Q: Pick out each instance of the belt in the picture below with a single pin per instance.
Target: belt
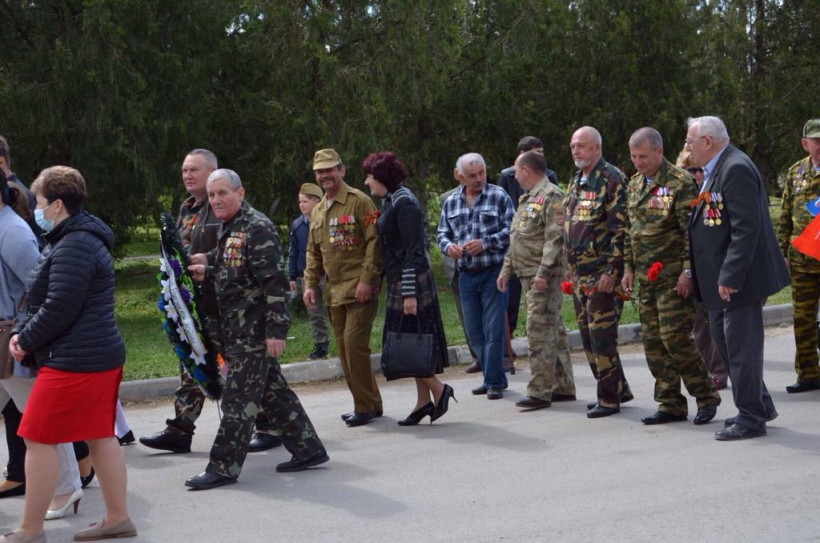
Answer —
(476, 271)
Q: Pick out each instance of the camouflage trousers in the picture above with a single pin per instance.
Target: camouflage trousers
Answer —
(666, 327)
(550, 361)
(805, 295)
(256, 387)
(598, 326)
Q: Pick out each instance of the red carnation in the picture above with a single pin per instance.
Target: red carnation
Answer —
(566, 287)
(654, 271)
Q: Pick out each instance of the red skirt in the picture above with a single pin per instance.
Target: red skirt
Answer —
(68, 406)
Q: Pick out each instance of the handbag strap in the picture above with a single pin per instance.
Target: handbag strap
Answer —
(418, 322)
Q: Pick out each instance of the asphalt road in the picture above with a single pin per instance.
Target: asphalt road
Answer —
(487, 472)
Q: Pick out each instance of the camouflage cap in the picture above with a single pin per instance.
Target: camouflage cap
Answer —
(326, 158)
(812, 129)
(312, 189)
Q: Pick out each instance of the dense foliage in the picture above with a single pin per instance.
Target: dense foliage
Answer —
(121, 89)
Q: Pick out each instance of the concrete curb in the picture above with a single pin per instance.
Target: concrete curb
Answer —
(325, 370)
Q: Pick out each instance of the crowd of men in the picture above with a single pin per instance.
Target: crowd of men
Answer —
(657, 236)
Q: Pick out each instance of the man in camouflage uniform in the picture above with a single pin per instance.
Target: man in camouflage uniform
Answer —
(246, 268)
(343, 245)
(198, 228)
(803, 187)
(657, 230)
(536, 257)
(595, 208)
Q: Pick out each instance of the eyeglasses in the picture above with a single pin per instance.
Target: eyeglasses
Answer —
(693, 171)
(689, 142)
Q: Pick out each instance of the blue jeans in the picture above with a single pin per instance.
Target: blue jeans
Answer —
(484, 306)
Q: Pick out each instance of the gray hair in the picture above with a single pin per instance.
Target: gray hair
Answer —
(469, 159)
(233, 178)
(709, 126)
(596, 136)
(644, 135)
(209, 157)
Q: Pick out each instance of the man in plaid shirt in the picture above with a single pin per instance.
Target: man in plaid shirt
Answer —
(474, 229)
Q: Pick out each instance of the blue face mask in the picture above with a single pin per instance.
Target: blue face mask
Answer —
(47, 225)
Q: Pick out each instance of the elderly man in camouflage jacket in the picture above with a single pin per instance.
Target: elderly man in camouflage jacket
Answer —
(657, 232)
(594, 245)
(250, 283)
(536, 256)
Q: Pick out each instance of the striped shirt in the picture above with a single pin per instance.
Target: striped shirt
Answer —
(488, 221)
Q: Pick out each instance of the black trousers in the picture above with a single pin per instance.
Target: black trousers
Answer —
(17, 447)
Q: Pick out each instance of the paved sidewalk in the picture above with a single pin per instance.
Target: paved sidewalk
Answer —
(487, 472)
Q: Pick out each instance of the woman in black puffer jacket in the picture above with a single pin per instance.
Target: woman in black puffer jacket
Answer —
(71, 336)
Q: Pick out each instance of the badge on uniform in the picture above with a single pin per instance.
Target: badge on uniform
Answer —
(813, 207)
(712, 215)
(232, 254)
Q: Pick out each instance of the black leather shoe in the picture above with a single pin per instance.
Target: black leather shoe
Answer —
(494, 394)
(169, 439)
(263, 442)
(300, 465)
(416, 416)
(360, 419)
(475, 367)
(564, 398)
(662, 417)
(478, 391)
(127, 439)
(379, 413)
(600, 411)
(19, 490)
(805, 386)
(705, 414)
(205, 481)
(319, 351)
(736, 432)
(769, 418)
(528, 403)
(628, 397)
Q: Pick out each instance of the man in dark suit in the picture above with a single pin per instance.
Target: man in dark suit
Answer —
(736, 265)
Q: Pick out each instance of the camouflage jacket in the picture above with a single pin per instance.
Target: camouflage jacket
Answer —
(343, 243)
(199, 229)
(657, 227)
(802, 186)
(248, 272)
(537, 235)
(594, 224)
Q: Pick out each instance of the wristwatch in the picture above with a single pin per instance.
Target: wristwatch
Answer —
(687, 274)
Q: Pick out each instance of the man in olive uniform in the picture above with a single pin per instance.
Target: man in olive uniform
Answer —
(247, 269)
(343, 245)
(536, 256)
(594, 244)
(803, 187)
(657, 231)
(198, 228)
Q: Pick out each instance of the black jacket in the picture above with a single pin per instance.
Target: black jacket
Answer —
(401, 235)
(71, 300)
(741, 252)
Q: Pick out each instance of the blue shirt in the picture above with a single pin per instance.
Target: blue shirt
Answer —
(710, 167)
(488, 221)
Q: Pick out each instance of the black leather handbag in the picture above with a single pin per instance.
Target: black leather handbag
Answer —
(407, 354)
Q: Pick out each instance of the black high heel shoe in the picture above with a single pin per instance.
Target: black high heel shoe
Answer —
(443, 403)
(416, 416)
(88, 478)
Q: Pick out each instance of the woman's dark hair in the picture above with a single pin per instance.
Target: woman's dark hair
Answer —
(17, 200)
(61, 183)
(386, 168)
